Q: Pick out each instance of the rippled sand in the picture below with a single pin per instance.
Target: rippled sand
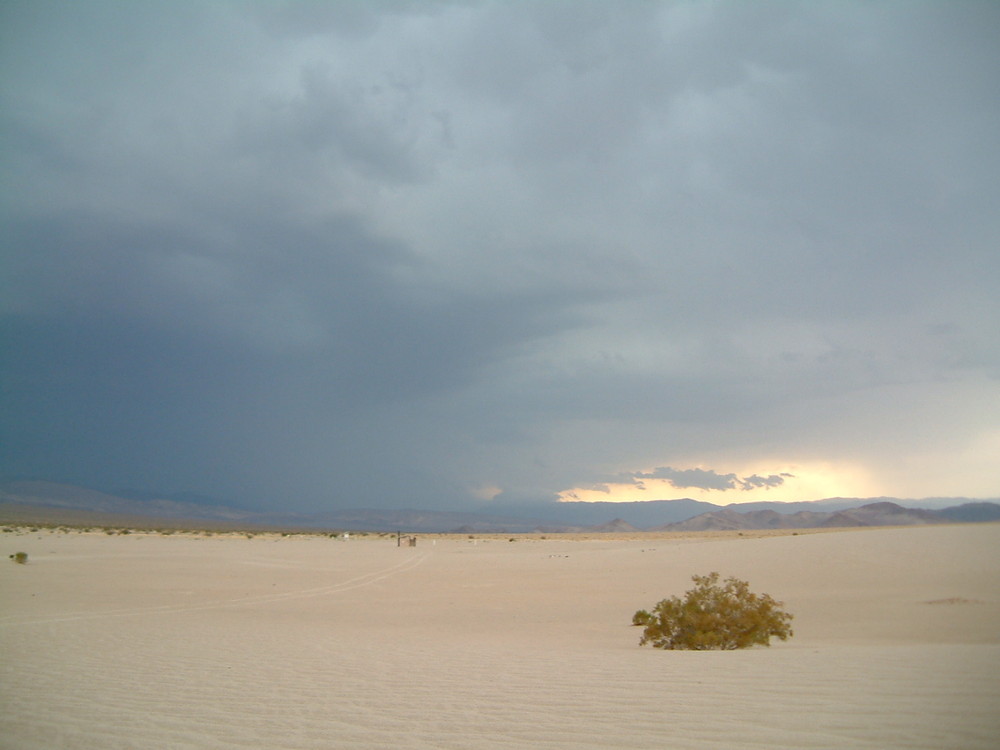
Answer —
(146, 641)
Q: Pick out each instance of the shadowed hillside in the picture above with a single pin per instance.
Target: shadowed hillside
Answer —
(50, 502)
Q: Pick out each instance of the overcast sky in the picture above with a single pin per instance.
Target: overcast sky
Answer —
(309, 255)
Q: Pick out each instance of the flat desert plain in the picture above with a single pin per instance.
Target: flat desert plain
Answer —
(193, 641)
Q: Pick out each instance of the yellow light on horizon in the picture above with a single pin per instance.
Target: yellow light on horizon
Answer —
(812, 481)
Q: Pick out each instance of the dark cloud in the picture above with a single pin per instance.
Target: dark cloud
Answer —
(771, 480)
(388, 253)
(708, 479)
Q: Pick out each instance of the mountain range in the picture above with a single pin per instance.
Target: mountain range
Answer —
(50, 502)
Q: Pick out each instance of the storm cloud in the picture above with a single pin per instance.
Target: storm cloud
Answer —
(709, 479)
(310, 255)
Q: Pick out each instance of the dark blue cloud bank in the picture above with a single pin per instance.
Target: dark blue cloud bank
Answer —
(311, 255)
(710, 479)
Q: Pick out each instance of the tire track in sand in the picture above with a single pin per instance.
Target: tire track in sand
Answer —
(353, 583)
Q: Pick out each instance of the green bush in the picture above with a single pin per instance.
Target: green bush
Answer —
(642, 617)
(714, 616)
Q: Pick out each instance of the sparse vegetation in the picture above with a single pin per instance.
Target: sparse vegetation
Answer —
(642, 617)
(714, 616)
(196, 531)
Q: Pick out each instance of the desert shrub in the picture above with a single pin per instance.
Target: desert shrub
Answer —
(642, 617)
(715, 616)
(20, 557)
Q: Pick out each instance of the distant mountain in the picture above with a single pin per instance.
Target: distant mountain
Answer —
(410, 520)
(71, 497)
(973, 512)
(730, 519)
(882, 513)
(193, 498)
(52, 502)
(829, 504)
(639, 514)
(552, 517)
(617, 526)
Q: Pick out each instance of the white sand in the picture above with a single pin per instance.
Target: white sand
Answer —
(145, 641)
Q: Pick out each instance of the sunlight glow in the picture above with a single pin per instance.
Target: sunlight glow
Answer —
(800, 481)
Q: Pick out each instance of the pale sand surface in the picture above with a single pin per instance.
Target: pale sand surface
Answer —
(146, 641)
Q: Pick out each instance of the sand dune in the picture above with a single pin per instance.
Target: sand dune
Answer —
(145, 641)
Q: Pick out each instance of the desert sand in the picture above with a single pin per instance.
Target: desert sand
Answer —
(185, 641)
